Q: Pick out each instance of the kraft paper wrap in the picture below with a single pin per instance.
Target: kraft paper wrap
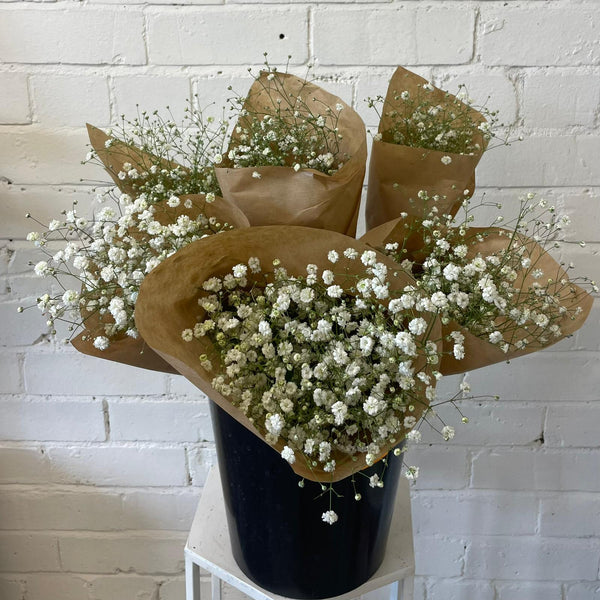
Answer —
(415, 169)
(308, 197)
(124, 349)
(480, 352)
(168, 304)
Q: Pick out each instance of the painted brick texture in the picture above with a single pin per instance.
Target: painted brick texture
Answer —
(102, 465)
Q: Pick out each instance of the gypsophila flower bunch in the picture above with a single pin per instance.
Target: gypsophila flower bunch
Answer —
(167, 159)
(331, 363)
(109, 257)
(285, 127)
(420, 120)
(507, 296)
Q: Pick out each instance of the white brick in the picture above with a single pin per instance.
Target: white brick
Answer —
(391, 36)
(582, 591)
(20, 329)
(112, 552)
(459, 589)
(10, 374)
(212, 93)
(79, 35)
(181, 387)
(588, 337)
(23, 465)
(530, 36)
(127, 466)
(21, 552)
(72, 100)
(571, 515)
(51, 420)
(373, 83)
(11, 589)
(439, 556)
(573, 425)
(14, 98)
(204, 37)
(173, 589)
(201, 459)
(531, 558)
(529, 590)
(160, 421)
(444, 35)
(542, 161)
(537, 470)
(440, 468)
(540, 376)
(170, 509)
(489, 423)
(583, 208)
(63, 585)
(557, 100)
(491, 89)
(584, 258)
(87, 375)
(151, 93)
(46, 156)
(61, 510)
(473, 513)
(123, 587)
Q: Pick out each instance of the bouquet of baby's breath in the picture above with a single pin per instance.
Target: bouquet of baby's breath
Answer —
(428, 139)
(496, 289)
(161, 206)
(157, 158)
(296, 156)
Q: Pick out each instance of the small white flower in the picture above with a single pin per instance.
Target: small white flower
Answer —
(256, 175)
(447, 432)
(333, 256)
(101, 342)
(288, 454)
(411, 473)
(330, 517)
(414, 436)
(446, 160)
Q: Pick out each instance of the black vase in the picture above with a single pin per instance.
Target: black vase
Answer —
(277, 535)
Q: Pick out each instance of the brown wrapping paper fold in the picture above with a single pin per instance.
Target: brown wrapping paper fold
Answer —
(167, 305)
(480, 352)
(308, 198)
(136, 352)
(118, 153)
(397, 173)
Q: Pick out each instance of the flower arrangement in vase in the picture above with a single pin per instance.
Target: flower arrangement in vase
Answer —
(233, 261)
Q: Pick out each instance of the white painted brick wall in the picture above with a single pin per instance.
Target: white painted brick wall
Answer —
(101, 465)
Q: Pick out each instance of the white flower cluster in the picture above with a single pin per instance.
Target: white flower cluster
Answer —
(419, 121)
(328, 368)
(485, 293)
(292, 133)
(110, 257)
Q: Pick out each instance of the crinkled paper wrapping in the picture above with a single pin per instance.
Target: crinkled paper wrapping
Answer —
(308, 197)
(168, 304)
(397, 173)
(124, 349)
(480, 352)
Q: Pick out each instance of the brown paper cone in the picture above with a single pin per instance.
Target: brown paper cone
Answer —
(397, 173)
(308, 198)
(168, 304)
(480, 352)
(136, 352)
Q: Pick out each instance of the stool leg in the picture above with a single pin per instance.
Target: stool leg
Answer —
(192, 580)
(215, 584)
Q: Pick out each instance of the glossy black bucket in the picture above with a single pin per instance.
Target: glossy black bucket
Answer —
(278, 538)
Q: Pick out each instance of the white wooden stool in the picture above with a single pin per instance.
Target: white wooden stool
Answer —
(208, 547)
